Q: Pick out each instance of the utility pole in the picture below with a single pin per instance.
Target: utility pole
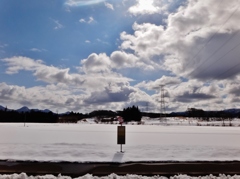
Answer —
(162, 103)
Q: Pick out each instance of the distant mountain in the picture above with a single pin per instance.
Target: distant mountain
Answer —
(2, 108)
(65, 113)
(26, 109)
(23, 109)
(46, 110)
(39, 110)
(233, 111)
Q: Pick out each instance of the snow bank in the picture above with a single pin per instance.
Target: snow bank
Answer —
(114, 176)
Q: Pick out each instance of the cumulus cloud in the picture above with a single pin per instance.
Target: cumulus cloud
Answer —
(179, 95)
(53, 97)
(150, 7)
(197, 41)
(53, 75)
(144, 7)
(198, 46)
(96, 63)
(189, 98)
(65, 90)
(109, 90)
(120, 94)
(145, 43)
(155, 85)
(49, 74)
(233, 89)
(120, 59)
(61, 97)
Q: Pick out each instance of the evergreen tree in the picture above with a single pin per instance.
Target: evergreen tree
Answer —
(131, 114)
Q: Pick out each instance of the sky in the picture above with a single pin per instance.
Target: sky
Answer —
(85, 55)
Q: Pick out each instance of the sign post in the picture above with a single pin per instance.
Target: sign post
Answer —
(121, 134)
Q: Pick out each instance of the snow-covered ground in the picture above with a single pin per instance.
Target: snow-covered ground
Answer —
(184, 121)
(114, 176)
(174, 121)
(85, 142)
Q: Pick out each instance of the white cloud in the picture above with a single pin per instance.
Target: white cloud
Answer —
(120, 59)
(82, 20)
(155, 85)
(89, 21)
(58, 25)
(104, 89)
(53, 97)
(109, 6)
(198, 43)
(65, 90)
(145, 7)
(118, 94)
(96, 64)
(96, 74)
(145, 41)
(37, 50)
(87, 41)
(184, 44)
(97, 88)
(76, 3)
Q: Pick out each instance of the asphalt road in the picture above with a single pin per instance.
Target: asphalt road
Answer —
(103, 169)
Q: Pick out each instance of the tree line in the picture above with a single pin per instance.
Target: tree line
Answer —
(31, 116)
(128, 114)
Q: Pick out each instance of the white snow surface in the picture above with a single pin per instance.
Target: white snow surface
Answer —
(114, 176)
(98, 143)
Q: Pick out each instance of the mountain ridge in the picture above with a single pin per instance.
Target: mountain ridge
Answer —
(25, 109)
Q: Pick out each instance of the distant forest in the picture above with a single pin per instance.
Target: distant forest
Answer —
(129, 114)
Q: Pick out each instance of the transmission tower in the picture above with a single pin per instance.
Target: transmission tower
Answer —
(147, 107)
(162, 103)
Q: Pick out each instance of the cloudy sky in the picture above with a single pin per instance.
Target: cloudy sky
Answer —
(85, 55)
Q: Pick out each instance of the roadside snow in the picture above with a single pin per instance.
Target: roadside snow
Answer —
(98, 143)
(114, 176)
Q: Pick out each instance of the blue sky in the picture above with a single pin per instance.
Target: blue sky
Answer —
(84, 55)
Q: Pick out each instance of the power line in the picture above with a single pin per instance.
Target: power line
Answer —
(220, 58)
(214, 53)
(215, 33)
(231, 68)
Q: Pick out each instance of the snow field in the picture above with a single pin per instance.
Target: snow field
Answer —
(98, 143)
(114, 176)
